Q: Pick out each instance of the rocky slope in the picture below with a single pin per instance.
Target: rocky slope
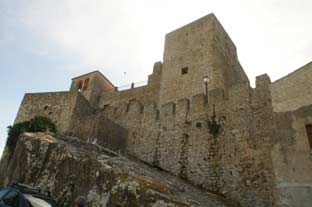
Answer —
(68, 167)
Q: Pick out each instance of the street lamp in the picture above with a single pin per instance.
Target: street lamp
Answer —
(206, 81)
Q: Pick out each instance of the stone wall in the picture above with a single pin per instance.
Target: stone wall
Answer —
(74, 115)
(211, 145)
(143, 93)
(292, 159)
(236, 145)
(97, 129)
(146, 94)
(58, 106)
(293, 91)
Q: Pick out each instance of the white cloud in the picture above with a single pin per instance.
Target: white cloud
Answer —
(128, 35)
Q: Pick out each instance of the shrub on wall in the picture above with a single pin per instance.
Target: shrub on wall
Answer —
(41, 124)
(36, 124)
(14, 132)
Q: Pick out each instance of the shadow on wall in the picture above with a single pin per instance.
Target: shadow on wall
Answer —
(97, 129)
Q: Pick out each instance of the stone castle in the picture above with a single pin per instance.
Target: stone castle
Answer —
(252, 145)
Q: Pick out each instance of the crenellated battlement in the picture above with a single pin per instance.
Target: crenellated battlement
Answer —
(172, 110)
(184, 109)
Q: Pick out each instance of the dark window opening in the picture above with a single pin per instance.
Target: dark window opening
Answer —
(98, 100)
(309, 132)
(198, 125)
(79, 85)
(157, 114)
(46, 108)
(85, 84)
(129, 103)
(185, 138)
(173, 109)
(106, 106)
(184, 70)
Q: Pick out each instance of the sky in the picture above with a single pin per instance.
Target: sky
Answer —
(44, 43)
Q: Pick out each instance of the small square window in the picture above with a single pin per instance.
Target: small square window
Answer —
(309, 133)
(184, 70)
(198, 125)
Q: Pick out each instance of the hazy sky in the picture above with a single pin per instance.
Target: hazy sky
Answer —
(44, 43)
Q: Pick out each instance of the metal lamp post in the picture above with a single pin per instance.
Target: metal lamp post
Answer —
(206, 81)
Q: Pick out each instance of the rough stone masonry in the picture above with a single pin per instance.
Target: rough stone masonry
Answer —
(250, 145)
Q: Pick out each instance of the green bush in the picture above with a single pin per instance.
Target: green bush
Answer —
(14, 132)
(41, 124)
(36, 124)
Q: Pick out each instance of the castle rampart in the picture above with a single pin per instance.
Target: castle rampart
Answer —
(230, 141)
(59, 106)
(184, 132)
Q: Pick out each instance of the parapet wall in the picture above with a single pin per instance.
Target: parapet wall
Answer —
(73, 115)
(58, 106)
(293, 91)
(146, 94)
(143, 93)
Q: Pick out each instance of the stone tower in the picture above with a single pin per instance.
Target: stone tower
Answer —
(201, 48)
(91, 86)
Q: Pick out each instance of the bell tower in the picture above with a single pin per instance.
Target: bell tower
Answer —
(92, 86)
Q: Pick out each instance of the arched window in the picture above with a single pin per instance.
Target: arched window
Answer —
(79, 85)
(85, 84)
